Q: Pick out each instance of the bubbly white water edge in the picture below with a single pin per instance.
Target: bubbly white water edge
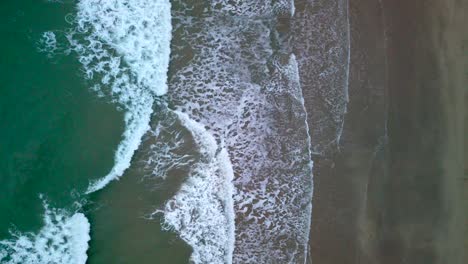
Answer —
(202, 212)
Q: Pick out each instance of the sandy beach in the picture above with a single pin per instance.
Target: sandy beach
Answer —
(395, 189)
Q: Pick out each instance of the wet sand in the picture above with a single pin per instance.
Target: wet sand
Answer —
(395, 190)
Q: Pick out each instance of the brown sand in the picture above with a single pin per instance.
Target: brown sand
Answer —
(341, 182)
(396, 192)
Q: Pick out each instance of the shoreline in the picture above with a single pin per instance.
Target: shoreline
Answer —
(392, 192)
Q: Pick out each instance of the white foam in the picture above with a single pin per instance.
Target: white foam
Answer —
(226, 193)
(48, 43)
(166, 147)
(275, 183)
(265, 8)
(126, 46)
(138, 30)
(63, 239)
(204, 139)
(202, 210)
(252, 101)
(293, 8)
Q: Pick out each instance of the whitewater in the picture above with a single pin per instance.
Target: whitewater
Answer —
(236, 88)
(240, 80)
(126, 44)
(202, 211)
(63, 239)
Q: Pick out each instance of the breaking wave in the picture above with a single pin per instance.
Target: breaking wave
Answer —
(202, 211)
(63, 239)
(125, 46)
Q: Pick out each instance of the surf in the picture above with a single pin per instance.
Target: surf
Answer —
(63, 239)
(124, 46)
(251, 101)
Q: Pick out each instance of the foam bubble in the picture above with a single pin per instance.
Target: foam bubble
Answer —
(125, 45)
(63, 239)
(202, 210)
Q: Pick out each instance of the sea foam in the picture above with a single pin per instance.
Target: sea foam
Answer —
(48, 43)
(125, 45)
(242, 83)
(202, 211)
(63, 239)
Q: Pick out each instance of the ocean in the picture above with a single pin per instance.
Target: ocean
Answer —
(157, 131)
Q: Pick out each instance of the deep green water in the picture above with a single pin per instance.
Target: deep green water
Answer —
(55, 134)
